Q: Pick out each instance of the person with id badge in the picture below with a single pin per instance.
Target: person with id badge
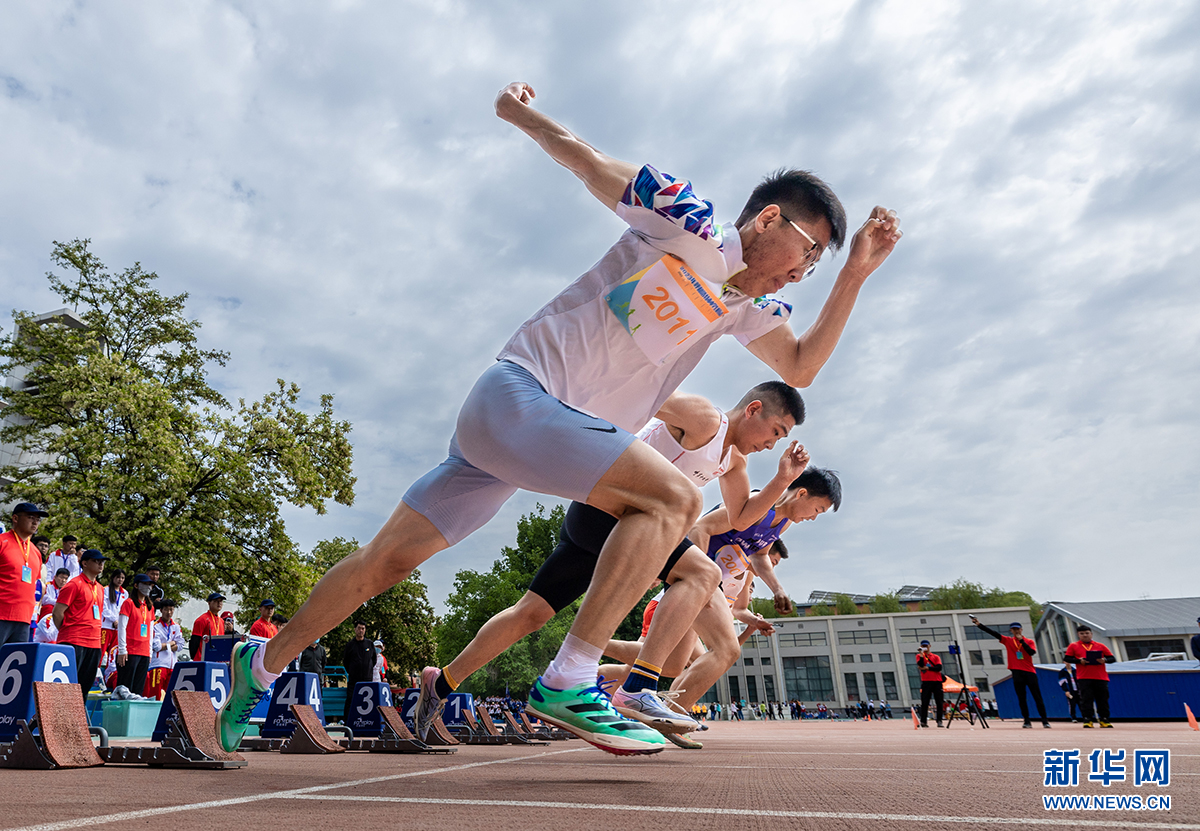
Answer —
(1020, 660)
(77, 616)
(557, 412)
(134, 626)
(20, 570)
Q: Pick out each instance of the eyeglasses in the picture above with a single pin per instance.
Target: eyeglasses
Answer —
(812, 266)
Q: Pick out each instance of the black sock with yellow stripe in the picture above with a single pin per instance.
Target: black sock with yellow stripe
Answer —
(643, 676)
(444, 685)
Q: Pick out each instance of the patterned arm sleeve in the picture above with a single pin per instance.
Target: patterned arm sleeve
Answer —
(668, 215)
(674, 200)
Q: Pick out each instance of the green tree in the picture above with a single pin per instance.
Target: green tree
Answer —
(136, 453)
(820, 610)
(764, 606)
(401, 617)
(886, 602)
(963, 594)
(478, 596)
(844, 605)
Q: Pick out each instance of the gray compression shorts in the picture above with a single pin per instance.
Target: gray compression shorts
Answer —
(512, 435)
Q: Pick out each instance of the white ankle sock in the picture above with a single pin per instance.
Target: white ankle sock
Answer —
(575, 665)
(259, 672)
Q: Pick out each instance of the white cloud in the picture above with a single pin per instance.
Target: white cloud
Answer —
(1014, 400)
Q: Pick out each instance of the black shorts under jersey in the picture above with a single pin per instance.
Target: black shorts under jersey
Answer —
(567, 572)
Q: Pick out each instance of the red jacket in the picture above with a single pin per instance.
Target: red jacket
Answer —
(931, 666)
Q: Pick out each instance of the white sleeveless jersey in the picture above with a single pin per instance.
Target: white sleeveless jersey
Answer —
(701, 465)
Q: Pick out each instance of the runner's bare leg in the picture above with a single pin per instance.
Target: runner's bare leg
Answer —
(406, 540)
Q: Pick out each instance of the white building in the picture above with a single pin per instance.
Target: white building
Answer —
(1132, 629)
(839, 659)
(12, 454)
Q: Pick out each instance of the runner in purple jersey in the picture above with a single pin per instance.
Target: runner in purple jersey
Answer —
(741, 555)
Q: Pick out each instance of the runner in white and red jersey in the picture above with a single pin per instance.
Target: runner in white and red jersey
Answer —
(704, 443)
(554, 414)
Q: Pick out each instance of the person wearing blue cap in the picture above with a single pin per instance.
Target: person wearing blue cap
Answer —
(210, 623)
(930, 664)
(263, 627)
(1020, 662)
(20, 569)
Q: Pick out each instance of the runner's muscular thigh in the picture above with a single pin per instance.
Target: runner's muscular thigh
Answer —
(643, 480)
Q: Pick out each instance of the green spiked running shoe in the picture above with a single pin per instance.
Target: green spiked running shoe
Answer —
(586, 711)
(244, 696)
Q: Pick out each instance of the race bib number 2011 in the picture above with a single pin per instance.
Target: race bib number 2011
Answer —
(663, 305)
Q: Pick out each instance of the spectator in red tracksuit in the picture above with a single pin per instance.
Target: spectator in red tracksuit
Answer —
(20, 568)
(931, 683)
(77, 617)
(1020, 662)
(134, 628)
(1091, 674)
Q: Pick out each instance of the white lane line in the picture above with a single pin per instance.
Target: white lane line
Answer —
(1057, 822)
(295, 793)
(939, 755)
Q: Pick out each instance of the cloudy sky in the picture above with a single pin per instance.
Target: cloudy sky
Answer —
(1014, 400)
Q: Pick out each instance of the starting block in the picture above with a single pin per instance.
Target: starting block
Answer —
(191, 740)
(397, 738)
(545, 732)
(513, 729)
(206, 676)
(480, 729)
(21, 666)
(62, 740)
(308, 734)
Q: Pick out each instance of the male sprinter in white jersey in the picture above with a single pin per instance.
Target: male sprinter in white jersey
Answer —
(705, 444)
(555, 413)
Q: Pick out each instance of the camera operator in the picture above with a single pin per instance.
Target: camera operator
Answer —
(931, 683)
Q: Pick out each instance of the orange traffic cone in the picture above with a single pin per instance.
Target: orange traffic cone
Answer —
(1191, 718)
(916, 721)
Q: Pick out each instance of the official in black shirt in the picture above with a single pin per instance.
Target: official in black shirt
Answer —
(359, 660)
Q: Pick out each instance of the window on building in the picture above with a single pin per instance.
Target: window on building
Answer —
(865, 636)
(735, 688)
(851, 687)
(976, 657)
(1142, 649)
(974, 633)
(752, 689)
(982, 684)
(866, 659)
(766, 662)
(847, 659)
(890, 692)
(808, 678)
(769, 688)
(885, 657)
(996, 656)
(758, 642)
(871, 685)
(925, 633)
(803, 639)
(748, 661)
